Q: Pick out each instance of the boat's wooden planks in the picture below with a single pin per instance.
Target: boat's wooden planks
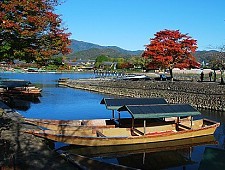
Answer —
(123, 136)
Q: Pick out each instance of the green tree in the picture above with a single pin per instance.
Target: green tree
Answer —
(100, 59)
(119, 61)
(138, 62)
(58, 60)
(31, 31)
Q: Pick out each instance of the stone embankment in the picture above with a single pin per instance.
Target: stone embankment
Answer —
(205, 95)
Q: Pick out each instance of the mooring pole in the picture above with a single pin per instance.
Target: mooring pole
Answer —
(113, 115)
(144, 127)
(191, 121)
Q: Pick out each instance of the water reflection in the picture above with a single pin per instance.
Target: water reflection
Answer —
(219, 117)
(164, 155)
(21, 104)
(156, 160)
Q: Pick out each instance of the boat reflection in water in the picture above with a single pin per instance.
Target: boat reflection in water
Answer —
(163, 155)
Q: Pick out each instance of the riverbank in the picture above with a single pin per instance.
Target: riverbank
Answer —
(204, 95)
(19, 150)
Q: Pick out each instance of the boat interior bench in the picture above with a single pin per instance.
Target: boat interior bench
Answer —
(113, 132)
(186, 125)
(153, 129)
(183, 127)
(136, 132)
(99, 134)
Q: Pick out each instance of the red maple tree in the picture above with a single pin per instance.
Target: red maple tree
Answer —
(31, 31)
(170, 49)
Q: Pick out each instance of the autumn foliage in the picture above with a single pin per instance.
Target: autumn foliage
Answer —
(170, 49)
(31, 31)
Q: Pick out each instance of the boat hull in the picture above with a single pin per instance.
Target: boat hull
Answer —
(116, 136)
(93, 151)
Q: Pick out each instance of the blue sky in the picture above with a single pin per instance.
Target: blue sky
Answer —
(130, 24)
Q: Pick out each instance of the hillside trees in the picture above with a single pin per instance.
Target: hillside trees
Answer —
(170, 49)
(107, 62)
(31, 31)
(100, 59)
(138, 62)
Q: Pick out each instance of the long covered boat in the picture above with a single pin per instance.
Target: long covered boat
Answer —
(154, 127)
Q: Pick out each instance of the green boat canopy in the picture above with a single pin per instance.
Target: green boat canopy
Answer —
(159, 111)
(115, 104)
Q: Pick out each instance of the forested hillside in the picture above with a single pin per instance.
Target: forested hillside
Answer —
(85, 50)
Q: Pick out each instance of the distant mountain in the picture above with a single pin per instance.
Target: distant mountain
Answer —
(205, 56)
(85, 50)
(77, 46)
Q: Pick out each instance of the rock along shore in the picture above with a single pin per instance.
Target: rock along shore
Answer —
(21, 151)
(205, 95)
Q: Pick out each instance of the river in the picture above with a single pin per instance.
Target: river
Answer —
(66, 103)
(59, 102)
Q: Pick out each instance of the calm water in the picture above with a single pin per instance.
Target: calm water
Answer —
(65, 103)
(59, 102)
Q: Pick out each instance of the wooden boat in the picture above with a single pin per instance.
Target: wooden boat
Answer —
(25, 91)
(12, 83)
(155, 131)
(73, 125)
(19, 88)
